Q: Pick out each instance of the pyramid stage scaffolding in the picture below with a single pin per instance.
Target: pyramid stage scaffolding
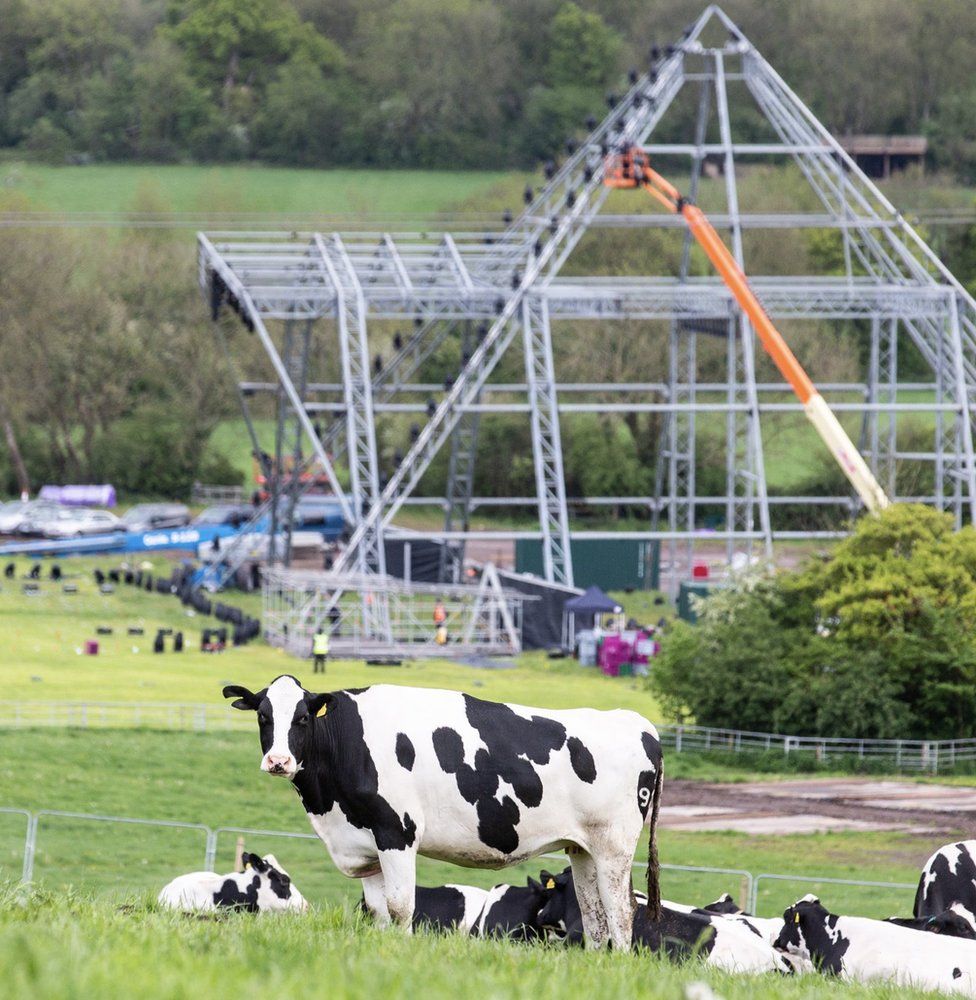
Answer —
(486, 294)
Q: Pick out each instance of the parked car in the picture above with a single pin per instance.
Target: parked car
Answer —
(15, 512)
(234, 514)
(75, 522)
(23, 514)
(149, 516)
(317, 513)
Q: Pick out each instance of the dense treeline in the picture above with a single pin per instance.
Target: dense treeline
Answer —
(875, 641)
(456, 83)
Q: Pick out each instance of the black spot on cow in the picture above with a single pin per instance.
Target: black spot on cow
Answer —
(582, 760)
(515, 914)
(513, 746)
(440, 908)
(943, 882)
(405, 752)
(347, 776)
(230, 896)
(957, 973)
(652, 747)
(337, 766)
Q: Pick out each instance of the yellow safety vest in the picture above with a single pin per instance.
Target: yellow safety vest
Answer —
(320, 644)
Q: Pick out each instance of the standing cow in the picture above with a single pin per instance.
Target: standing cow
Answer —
(948, 877)
(386, 773)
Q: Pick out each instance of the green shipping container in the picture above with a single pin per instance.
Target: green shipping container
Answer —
(612, 565)
(688, 590)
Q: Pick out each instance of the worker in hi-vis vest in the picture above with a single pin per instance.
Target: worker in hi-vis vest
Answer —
(320, 650)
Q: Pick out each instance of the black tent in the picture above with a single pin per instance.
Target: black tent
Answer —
(592, 601)
(580, 612)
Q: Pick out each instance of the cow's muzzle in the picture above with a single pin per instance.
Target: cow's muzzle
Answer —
(282, 766)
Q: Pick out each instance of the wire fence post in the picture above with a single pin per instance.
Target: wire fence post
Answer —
(30, 848)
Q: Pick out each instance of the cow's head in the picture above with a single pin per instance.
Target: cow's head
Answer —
(560, 915)
(283, 895)
(810, 931)
(286, 719)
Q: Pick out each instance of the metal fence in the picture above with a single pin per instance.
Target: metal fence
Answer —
(204, 494)
(749, 884)
(928, 756)
(902, 755)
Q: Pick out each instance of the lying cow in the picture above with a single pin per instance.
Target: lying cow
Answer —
(768, 928)
(957, 921)
(948, 877)
(446, 907)
(513, 911)
(386, 773)
(859, 949)
(682, 931)
(263, 886)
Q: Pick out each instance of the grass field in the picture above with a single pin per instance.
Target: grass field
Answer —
(43, 635)
(155, 955)
(84, 871)
(214, 779)
(117, 188)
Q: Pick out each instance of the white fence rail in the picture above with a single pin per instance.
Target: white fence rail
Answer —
(929, 756)
(749, 884)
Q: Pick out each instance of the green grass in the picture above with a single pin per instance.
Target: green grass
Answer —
(245, 189)
(141, 952)
(69, 937)
(214, 779)
(42, 635)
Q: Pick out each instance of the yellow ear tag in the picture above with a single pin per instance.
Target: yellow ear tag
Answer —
(796, 918)
(551, 884)
(321, 711)
(247, 867)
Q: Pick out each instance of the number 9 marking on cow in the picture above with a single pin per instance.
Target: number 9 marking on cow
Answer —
(644, 794)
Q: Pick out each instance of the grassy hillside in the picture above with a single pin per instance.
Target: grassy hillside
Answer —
(242, 190)
(44, 633)
(213, 778)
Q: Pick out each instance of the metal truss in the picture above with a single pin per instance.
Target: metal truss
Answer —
(511, 281)
(550, 482)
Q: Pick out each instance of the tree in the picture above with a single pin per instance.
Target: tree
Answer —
(879, 640)
(234, 46)
(583, 51)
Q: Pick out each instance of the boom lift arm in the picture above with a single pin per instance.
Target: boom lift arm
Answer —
(632, 169)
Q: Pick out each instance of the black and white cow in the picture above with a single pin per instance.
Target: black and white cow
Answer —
(957, 921)
(446, 907)
(512, 911)
(263, 886)
(682, 931)
(386, 773)
(948, 877)
(768, 928)
(859, 949)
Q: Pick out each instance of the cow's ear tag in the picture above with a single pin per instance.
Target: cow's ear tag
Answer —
(247, 867)
(551, 884)
(796, 918)
(321, 711)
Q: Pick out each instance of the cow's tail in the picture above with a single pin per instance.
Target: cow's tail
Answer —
(653, 865)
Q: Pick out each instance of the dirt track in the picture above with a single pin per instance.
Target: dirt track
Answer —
(815, 804)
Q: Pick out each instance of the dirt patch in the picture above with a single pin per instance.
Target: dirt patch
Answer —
(820, 804)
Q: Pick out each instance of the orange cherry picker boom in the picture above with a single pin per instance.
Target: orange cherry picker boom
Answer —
(632, 169)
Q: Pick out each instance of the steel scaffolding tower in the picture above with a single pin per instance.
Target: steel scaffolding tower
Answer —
(512, 282)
